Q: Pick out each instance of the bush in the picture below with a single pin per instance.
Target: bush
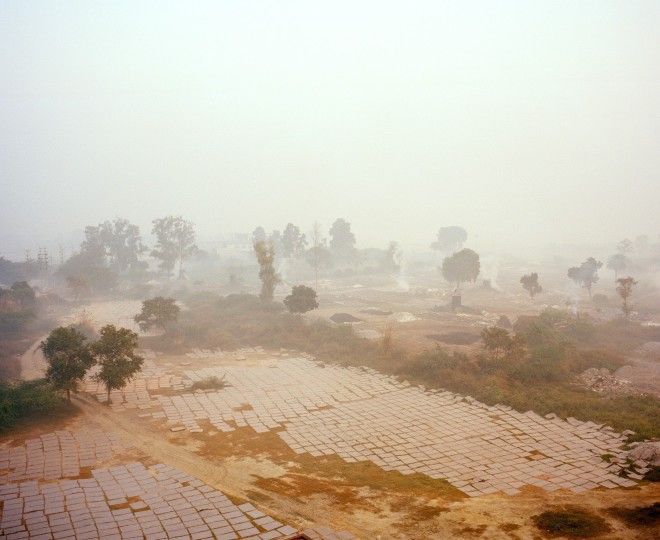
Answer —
(210, 383)
(571, 521)
(641, 516)
(21, 400)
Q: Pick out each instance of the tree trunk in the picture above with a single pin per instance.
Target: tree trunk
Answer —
(108, 388)
(68, 395)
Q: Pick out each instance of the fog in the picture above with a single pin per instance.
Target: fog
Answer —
(529, 124)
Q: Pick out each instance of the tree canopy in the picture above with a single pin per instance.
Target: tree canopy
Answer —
(450, 239)
(624, 288)
(175, 241)
(342, 240)
(265, 254)
(617, 263)
(586, 274)
(68, 356)
(530, 283)
(301, 300)
(258, 235)
(116, 356)
(293, 242)
(462, 266)
(158, 312)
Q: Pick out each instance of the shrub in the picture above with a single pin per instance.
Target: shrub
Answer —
(571, 521)
(26, 398)
(641, 516)
(210, 383)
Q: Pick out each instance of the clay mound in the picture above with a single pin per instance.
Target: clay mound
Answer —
(455, 338)
(375, 311)
(341, 318)
(402, 317)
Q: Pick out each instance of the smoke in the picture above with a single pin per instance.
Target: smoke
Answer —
(490, 270)
(401, 277)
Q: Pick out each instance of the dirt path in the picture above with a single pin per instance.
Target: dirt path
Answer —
(33, 363)
(301, 496)
(151, 441)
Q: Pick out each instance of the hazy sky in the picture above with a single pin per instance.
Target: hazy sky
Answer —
(522, 121)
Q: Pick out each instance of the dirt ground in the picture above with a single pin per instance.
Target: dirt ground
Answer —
(359, 497)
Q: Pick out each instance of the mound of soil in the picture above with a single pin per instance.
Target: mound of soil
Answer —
(402, 317)
(455, 338)
(375, 311)
(341, 318)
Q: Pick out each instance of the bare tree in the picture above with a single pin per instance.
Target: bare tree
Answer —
(624, 288)
(269, 277)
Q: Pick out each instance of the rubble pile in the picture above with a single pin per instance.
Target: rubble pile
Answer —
(603, 381)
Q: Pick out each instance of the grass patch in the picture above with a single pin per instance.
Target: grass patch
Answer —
(557, 349)
(571, 521)
(27, 399)
(641, 516)
(210, 383)
(653, 475)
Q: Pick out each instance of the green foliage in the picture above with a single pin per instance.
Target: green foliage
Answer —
(24, 399)
(450, 239)
(530, 283)
(301, 300)
(571, 521)
(159, 311)
(115, 353)
(541, 380)
(462, 266)
(624, 287)
(342, 240)
(293, 242)
(13, 321)
(617, 263)
(641, 516)
(91, 269)
(586, 274)
(269, 278)
(175, 241)
(68, 356)
(500, 344)
(23, 294)
(210, 383)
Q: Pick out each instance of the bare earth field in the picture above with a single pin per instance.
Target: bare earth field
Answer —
(290, 443)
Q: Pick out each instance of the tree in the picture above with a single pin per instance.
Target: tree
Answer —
(392, 259)
(617, 263)
(342, 240)
(530, 283)
(122, 242)
(314, 254)
(68, 356)
(293, 243)
(641, 244)
(624, 288)
(462, 266)
(586, 274)
(158, 311)
(115, 354)
(450, 239)
(258, 235)
(625, 246)
(301, 300)
(269, 277)
(500, 344)
(175, 241)
(23, 294)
